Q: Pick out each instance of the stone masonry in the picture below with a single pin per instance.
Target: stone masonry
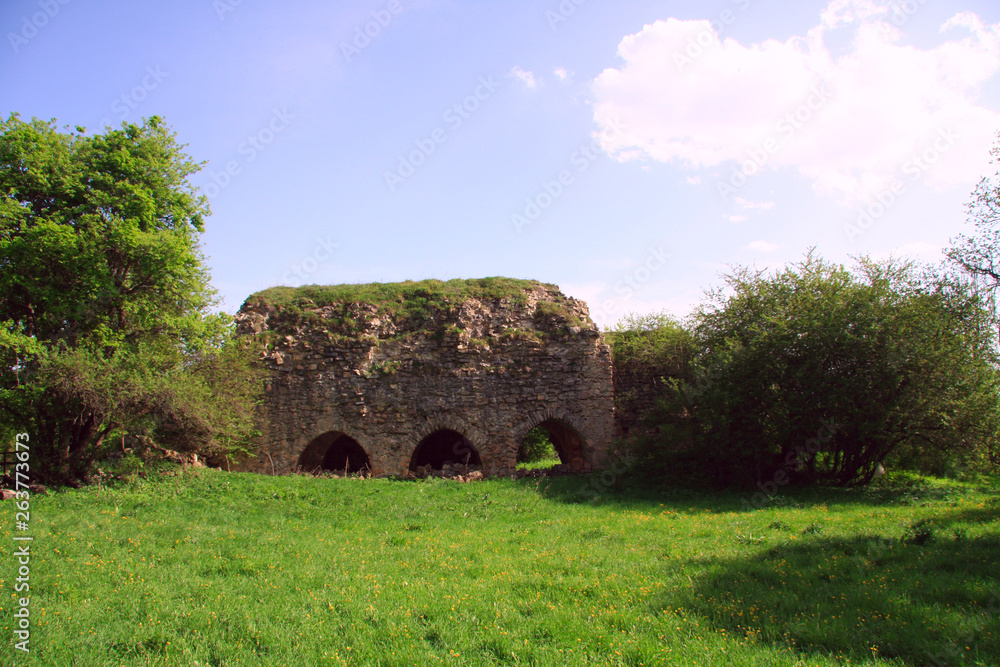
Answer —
(464, 385)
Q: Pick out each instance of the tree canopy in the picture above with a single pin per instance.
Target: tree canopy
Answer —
(979, 254)
(818, 373)
(105, 302)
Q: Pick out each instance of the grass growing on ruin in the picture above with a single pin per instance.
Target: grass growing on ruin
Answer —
(210, 568)
(410, 305)
(409, 298)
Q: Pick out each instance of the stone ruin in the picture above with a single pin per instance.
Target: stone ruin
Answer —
(453, 384)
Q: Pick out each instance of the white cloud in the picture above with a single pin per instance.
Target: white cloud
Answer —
(562, 73)
(525, 77)
(608, 306)
(851, 124)
(736, 218)
(750, 205)
(763, 246)
(693, 180)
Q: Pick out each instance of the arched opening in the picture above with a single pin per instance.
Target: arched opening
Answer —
(334, 451)
(550, 440)
(442, 448)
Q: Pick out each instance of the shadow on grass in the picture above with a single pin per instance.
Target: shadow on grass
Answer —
(936, 603)
(634, 492)
(627, 492)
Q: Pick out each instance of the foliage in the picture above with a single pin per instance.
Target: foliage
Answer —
(818, 374)
(106, 305)
(406, 300)
(518, 333)
(387, 367)
(556, 311)
(212, 568)
(979, 255)
(652, 354)
(656, 341)
(536, 446)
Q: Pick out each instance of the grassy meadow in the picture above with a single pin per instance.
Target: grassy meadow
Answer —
(211, 568)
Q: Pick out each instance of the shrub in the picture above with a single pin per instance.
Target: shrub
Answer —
(536, 446)
(819, 374)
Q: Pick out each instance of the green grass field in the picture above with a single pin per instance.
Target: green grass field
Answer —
(210, 568)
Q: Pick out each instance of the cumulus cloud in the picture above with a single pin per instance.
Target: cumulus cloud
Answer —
(851, 123)
(524, 76)
(562, 73)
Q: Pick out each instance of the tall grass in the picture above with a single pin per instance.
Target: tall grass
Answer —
(212, 568)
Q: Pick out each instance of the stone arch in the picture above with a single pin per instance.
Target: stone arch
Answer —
(443, 446)
(334, 451)
(569, 444)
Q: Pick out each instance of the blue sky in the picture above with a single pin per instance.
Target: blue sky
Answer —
(627, 151)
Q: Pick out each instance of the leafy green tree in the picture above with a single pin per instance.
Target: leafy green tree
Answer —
(979, 254)
(536, 446)
(817, 374)
(105, 302)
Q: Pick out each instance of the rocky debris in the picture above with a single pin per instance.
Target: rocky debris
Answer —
(462, 473)
(339, 474)
(457, 472)
(454, 472)
(184, 458)
(33, 489)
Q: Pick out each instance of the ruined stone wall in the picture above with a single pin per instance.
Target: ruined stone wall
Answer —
(489, 370)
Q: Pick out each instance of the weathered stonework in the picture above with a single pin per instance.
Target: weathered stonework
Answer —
(467, 381)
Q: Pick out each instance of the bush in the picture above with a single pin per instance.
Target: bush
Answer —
(536, 446)
(106, 311)
(652, 362)
(818, 374)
